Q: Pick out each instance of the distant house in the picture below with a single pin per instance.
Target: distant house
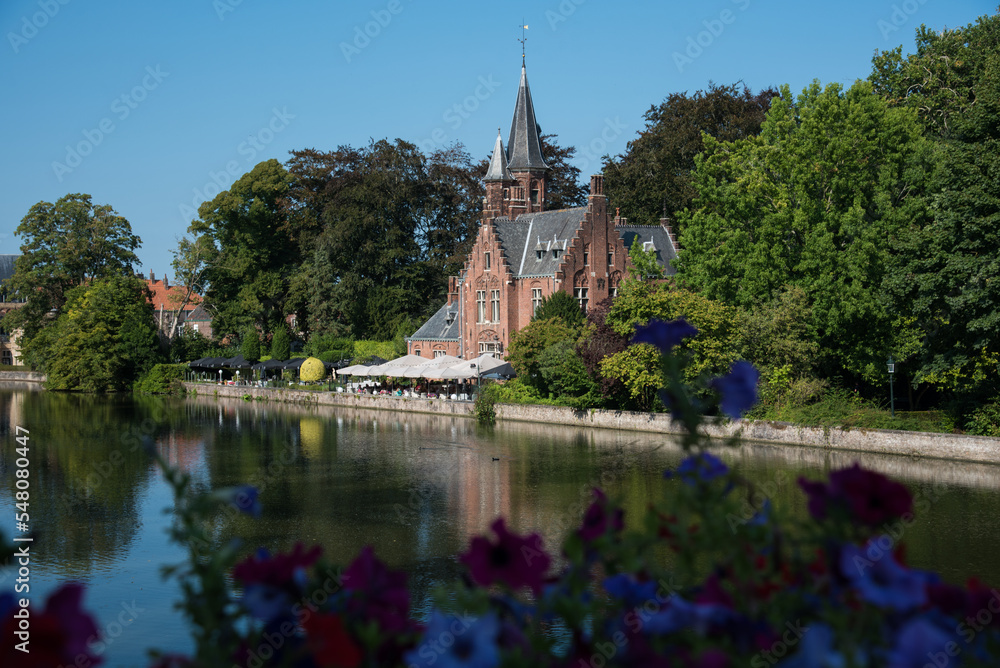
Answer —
(9, 350)
(166, 300)
(523, 253)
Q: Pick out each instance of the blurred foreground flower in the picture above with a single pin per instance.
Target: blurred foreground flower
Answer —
(61, 634)
(516, 561)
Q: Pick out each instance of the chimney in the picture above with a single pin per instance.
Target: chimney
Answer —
(597, 185)
(166, 283)
(152, 279)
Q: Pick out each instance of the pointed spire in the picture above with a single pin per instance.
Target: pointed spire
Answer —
(524, 146)
(498, 163)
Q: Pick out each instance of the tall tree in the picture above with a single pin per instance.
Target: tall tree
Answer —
(64, 245)
(946, 273)
(191, 262)
(104, 338)
(814, 201)
(563, 189)
(252, 256)
(653, 176)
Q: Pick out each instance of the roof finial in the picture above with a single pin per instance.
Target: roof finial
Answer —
(523, 39)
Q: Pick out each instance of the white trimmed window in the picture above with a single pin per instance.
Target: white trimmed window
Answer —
(439, 353)
(492, 348)
(581, 297)
(481, 305)
(495, 305)
(536, 299)
(486, 262)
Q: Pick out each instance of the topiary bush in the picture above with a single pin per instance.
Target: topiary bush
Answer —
(312, 370)
(162, 379)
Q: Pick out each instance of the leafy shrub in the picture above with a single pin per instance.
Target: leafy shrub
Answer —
(985, 421)
(162, 379)
(250, 345)
(483, 407)
(281, 343)
(384, 349)
(312, 370)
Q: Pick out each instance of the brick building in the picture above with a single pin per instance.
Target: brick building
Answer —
(166, 300)
(523, 253)
(9, 350)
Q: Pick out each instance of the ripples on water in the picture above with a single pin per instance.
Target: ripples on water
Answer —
(417, 487)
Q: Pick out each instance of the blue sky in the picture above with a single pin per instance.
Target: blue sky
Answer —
(153, 107)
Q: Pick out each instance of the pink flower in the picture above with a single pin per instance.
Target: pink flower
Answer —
(281, 570)
(516, 561)
(869, 497)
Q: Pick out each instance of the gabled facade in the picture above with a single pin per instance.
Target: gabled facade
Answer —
(523, 253)
(166, 298)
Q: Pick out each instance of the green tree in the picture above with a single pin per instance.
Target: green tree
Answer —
(252, 256)
(814, 201)
(281, 344)
(780, 333)
(644, 264)
(562, 372)
(63, 245)
(250, 344)
(190, 263)
(528, 344)
(945, 274)
(104, 338)
(653, 177)
(563, 189)
(560, 305)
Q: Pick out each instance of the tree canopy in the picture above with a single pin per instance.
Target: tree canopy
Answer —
(64, 245)
(653, 176)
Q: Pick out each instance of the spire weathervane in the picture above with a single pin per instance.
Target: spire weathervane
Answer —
(523, 38)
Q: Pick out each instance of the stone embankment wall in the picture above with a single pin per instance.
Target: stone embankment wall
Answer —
(22, 376)
(916, 444)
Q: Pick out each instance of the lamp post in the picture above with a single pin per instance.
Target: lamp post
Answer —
(892, 397)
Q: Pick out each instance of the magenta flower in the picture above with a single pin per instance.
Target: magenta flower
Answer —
(516, 561)
(271, 584)
(61, 634)
(599, 517)
(664, 334)
(869, 497)
(737, 390)
(379, 593)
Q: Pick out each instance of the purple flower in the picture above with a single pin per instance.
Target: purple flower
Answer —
(61, 634)
(514, 560)
(377, 592)
(869, 497)
(703, 466)
(664, 334)
(456, 641)
(737, 390)
(599, 517)
(880, 580)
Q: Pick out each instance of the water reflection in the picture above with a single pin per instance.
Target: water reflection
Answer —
(417, 487)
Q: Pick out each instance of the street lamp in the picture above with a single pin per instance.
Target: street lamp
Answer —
(892, 397)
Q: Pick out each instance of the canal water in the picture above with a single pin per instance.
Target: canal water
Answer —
(416, 487)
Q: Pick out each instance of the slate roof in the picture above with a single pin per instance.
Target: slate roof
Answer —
(442, 326)
(498, 163)
(199, 314)
(545, 231)
(660, 243)
(524, 148)
(7, 266)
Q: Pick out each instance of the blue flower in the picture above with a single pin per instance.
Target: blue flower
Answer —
(818, 648)
(879, 579)
(267, 603)
(703, 466)
(245, 499)
(457, 641)
(664, 334)
(737, 390)
(917, 641)
(679, 614)
(630, 590)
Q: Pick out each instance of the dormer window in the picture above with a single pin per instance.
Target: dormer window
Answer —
(486, 262)
(539, 253)
(555, 253)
